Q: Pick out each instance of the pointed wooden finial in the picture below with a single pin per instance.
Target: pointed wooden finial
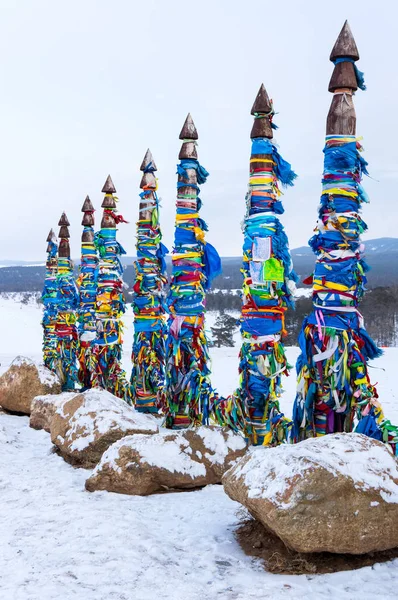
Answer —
(188, 131)
(109, 188)
(262, 103)
(148, 159)
(63, 220)
(51, 236)
(345, 45)
(261, 108)
(87, 205)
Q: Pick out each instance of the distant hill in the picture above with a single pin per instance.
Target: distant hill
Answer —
(381, 254)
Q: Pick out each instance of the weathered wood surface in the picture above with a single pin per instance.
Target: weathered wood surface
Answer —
(88, 220)
(345, 45)
(262, 103)
(188, 131)
(148, 159)
(148, 180)
(341, 119)
(109, 188)
(343, 76)
(87, 205)
(64, 249)
(63, 220)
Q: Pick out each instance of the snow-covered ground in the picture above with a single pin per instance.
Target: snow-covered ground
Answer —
(58, 541)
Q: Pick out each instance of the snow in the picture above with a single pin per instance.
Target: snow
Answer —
(156, 451)
(46, 376)
(215, 442)
(102, 412)
(269, 472)
(59, 541)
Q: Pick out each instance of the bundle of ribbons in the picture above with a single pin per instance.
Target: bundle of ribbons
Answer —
(49, 299)
(150, 324)
(268, 288)
(110, 302)
(87, 283)
(66, 305)
(195, 263)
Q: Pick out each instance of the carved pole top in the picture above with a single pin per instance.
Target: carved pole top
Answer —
(63, 220)
(262, 103)
(109, 188)
(188, 131)
(87, 205)
(262, 112)
(148, 159)
(345, 46)
(64, 249)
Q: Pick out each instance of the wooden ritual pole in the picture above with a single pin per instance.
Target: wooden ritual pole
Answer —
(268, 290)
(87, 282)
(334, 391)
(67, 302)
(49, 299)
(150, 326)
(110, 302)
(188, 391)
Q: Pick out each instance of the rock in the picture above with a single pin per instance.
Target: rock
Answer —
(43, 409)
(83, 427)
(23, 381)
(337, 493)
(142, 465)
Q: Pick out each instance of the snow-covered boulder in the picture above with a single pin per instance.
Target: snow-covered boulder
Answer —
(43, 409)
(337, 493)
(24, 380)
(85, 426)
(142, 465)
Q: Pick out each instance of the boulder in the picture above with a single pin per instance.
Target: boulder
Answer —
(142, 465)
(337, 493)
(83, 427)
(43, 409)
(23, 381)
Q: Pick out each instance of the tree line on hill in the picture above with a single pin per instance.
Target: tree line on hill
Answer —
(379, 308)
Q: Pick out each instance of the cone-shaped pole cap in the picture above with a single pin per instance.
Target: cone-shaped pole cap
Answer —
(148, 159)
(188, 131)
(64, 232)
(345, 45)
(108, 202)
(109, 188)
(51, 236)
(262, 102)
(87, 205)
(88, 219)
(63, 220)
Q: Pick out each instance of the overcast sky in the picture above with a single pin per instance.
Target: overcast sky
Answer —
(88, 85)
